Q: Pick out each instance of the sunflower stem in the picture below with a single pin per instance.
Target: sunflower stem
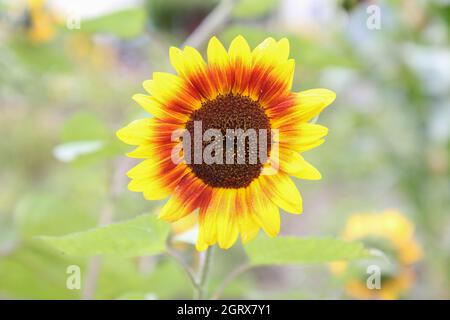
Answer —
(205, 264)
(229, 278)
(213, 21)
(187, 269)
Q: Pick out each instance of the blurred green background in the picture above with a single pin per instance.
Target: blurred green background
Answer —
(67, 74)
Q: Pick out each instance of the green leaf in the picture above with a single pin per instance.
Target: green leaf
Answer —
(46, 57)
(85, 139)
(141, 236)
(42, 212)
(125, 23)
(293, 250)
(32, 272)
(84, 126)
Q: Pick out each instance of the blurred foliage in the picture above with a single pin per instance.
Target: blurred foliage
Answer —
(65, 93)
(41, 58)
(142, 236)
(176, 15)
(254, 8)
(291, 250)
(124, 24)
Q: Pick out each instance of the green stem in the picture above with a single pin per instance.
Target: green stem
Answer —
(229, 278)
(187, 269)
(201, 288)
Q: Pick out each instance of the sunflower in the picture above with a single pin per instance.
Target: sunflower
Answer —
(390, 226)
(391, 288)
(392, 233)
(238, 89)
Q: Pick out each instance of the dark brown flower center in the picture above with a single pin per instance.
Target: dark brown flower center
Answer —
(242, 139)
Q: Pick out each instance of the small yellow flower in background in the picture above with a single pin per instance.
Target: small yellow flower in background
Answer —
(82, 47)
(391, 287)
(41, 27)
(392, 233)
(238, 88)
(390, 225)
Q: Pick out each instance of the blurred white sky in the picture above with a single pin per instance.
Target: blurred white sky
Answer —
(91, 8)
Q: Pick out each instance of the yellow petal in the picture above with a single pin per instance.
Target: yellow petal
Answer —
(285, 72)
(265, 211)
(303, 137)
(281, 190)
(281, 78)
(295, 165)
(152, 189)
(248, 226)
(177, 60)
(192, 68)
(265, 51)
(311, 102)
(167, 80)
(217, 54)
(207, 221)
(193, 59)
(148, 178)
(145, 168)
(187, 196)
(137, 132)
(170, 97)
(186, 62)
(241, 62)
(201, 244)
(283, 49)
(227, 227)
(240, 51)
(163, 86)
(270, 52)
(218, 221)
(270, 220)
(218, 66)
(174, 210)
(150, 104)
(142, 151)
